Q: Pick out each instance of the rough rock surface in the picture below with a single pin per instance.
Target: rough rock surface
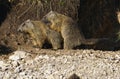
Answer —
(60, 64)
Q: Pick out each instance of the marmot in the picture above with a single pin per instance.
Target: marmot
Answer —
(40, 32)
(68, 28)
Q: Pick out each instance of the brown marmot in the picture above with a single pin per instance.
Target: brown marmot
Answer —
(68, 28)
(40, 32)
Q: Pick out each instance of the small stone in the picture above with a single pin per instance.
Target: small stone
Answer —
(7, 76)
(18, 55)
(15, 63)
(3, 66)
(50, 77)
(19, 69)
(1, 63)
(23, 73)
(22, 54)
(14, 57)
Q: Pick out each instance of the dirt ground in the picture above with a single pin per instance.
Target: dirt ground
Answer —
(60, 64)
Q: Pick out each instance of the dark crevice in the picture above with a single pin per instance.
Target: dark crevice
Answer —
(5, 49)
(5, 8)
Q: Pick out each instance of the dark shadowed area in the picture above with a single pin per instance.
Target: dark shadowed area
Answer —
(5, 8)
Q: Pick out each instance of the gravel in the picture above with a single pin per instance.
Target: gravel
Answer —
(60, 64)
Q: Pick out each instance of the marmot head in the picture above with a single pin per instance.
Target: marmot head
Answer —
(26, 26)
(50, 17)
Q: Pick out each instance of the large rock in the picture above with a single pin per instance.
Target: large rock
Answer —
(18, 55)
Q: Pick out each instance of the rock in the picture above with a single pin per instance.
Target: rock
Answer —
(3, 66)
(7, 76)
(19, 69)
(15, 63)
(18, 55)
(14, 57)
(50, 77)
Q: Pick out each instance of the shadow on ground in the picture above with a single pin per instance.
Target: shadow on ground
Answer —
(5, 50)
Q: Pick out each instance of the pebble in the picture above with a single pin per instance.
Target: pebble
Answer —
(1, 64)
(84, 64)
(18, 55)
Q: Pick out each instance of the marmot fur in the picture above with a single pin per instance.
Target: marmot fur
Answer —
(40, 32)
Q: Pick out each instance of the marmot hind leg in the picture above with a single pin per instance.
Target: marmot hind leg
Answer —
(55, 39)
